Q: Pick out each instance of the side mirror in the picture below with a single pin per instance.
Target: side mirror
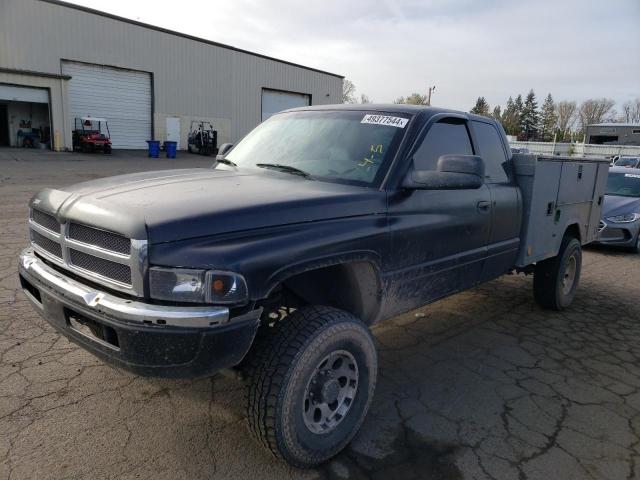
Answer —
(223, 150)
(454, 172)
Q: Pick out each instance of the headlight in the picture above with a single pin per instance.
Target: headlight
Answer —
(225, 287)
(628, 218)
(200, 286)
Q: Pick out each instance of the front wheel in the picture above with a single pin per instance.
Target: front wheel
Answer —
(556, 279)
(311, 380)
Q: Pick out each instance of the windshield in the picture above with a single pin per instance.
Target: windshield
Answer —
(342, 146)
(624, 184)
(626, 162)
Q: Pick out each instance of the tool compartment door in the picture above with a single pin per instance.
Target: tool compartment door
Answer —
(540, 225)
(576, 182)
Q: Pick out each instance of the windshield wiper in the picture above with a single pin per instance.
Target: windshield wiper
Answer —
(226, 162)
(285, 168)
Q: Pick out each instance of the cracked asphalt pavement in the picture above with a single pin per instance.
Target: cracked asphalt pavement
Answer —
(482, 385)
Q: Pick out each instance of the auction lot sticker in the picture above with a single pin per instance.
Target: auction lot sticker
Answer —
(398, 122)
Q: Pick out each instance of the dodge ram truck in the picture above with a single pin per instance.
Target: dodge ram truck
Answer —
(278, 259)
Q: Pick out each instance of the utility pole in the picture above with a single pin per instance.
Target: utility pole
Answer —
(431, 90)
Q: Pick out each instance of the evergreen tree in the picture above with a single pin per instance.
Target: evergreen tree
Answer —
(511, 118)
(548, 119)
(530, 117)
(518, 109)
(481, 107)
(497, 114)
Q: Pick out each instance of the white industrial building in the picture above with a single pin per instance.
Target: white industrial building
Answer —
(59, 61)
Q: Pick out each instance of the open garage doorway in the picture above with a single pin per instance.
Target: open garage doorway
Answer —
(4, 125)
(25, 119)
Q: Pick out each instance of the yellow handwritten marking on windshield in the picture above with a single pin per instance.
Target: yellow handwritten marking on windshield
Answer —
(368, 162)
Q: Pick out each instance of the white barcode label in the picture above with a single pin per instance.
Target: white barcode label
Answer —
(398, 122)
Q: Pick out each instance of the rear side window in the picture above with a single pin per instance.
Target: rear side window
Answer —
(491, 150)
(445, 137)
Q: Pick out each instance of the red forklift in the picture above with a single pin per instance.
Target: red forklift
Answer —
(89, 137)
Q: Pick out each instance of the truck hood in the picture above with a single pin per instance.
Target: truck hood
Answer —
(165, 206)
(619, 205)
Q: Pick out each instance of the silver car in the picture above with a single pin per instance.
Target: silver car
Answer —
(628, 162)
(620, 225)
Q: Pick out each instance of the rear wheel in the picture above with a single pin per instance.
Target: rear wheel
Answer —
(106, 149)
(311, 380)
(556, 279)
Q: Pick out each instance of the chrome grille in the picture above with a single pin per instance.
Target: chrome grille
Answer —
(105, 268)
(601, 226)
(99, 255)
(100, 238)
(45, 220)
(47, 244)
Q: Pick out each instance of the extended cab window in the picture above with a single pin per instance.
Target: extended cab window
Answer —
(448, 136)
(492, 152)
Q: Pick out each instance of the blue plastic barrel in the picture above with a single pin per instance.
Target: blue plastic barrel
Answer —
(171, 148)
(154, 148)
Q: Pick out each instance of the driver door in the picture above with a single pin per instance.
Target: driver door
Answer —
(439, 237)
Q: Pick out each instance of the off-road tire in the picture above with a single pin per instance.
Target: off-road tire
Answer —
(279, 369)
(549, 276)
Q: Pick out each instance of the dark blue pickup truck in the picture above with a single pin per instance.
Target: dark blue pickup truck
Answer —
(319, 223)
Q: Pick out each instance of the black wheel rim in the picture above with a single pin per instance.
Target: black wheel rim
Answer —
(330, 392)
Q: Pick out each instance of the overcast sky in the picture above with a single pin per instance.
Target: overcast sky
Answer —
(575, 49)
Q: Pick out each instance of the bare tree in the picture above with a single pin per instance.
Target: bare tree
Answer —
(348, 91)
(364, 98)
(413, 99)
(566, 114)
(631, 111)
(596, 110)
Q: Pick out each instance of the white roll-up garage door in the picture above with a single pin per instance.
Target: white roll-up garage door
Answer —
(274, 101)
(123, 97)
(23, 94)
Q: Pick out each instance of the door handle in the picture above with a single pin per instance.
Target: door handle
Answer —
(483, 207)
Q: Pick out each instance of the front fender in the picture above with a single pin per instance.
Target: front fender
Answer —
(267, 256)
(307, 265)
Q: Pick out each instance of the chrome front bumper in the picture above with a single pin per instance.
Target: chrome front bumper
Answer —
(117, 307)
(148, 339)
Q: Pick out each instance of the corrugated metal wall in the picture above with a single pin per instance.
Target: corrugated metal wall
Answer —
(190, 78)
